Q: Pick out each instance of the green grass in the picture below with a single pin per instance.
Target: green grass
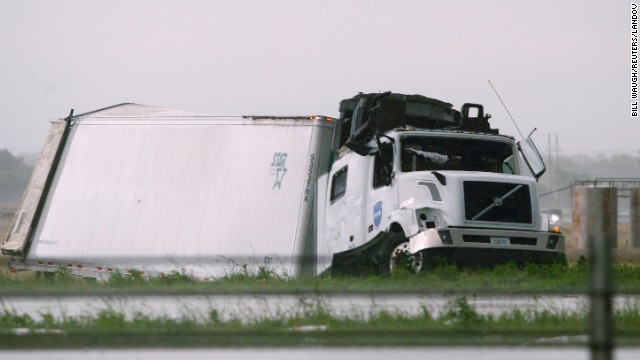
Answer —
(445, 279)
(458, 323)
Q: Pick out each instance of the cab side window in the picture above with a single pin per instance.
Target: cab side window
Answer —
(339, 184)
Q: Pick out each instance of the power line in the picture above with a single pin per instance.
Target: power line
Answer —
(556, 190)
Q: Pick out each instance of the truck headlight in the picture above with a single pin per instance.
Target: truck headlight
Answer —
(430, 218)
(555, 223)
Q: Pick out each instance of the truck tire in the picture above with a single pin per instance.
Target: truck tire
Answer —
(395, 257)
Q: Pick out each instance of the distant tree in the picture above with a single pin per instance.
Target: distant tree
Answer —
(14, 177)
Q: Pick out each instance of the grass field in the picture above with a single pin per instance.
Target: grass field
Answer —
(315, 324)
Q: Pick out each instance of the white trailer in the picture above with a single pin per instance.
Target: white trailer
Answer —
(396, 179)
(161, 190)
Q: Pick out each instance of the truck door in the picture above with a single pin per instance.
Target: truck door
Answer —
(345, 204)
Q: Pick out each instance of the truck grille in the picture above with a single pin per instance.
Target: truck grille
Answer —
(497, 202)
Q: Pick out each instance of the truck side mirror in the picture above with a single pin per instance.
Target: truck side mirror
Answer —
(532, 157)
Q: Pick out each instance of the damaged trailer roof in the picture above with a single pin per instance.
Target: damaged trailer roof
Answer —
(161, 189)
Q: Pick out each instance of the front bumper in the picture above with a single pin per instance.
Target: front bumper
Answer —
(476, 246)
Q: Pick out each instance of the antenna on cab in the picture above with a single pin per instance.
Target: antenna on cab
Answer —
(505, 107)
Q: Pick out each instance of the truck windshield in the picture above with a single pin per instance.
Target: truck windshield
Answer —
(424, 153)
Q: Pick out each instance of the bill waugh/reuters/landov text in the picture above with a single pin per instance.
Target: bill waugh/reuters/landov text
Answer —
(634, 60)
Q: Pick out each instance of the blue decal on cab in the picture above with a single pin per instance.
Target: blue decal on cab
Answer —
(377, 214)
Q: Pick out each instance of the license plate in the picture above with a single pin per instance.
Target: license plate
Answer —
(500, 241)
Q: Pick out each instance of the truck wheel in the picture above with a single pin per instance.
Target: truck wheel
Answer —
(395, 257)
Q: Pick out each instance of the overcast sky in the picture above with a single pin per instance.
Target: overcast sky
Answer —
(560, 66)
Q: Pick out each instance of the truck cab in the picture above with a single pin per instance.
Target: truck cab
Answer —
(415, 182)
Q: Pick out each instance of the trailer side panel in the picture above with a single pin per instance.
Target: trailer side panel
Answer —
(204, 195)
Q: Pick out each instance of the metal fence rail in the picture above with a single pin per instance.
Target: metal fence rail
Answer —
(624, 185)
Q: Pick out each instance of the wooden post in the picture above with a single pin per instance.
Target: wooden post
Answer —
(600, 241)
(595, 212)
(634, 219)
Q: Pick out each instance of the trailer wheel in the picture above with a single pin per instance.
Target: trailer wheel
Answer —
(395, 257)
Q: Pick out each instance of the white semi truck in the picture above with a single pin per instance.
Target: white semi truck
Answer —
(395, 181)
(412, 176)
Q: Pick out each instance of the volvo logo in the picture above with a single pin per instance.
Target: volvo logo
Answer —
(497, 201)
